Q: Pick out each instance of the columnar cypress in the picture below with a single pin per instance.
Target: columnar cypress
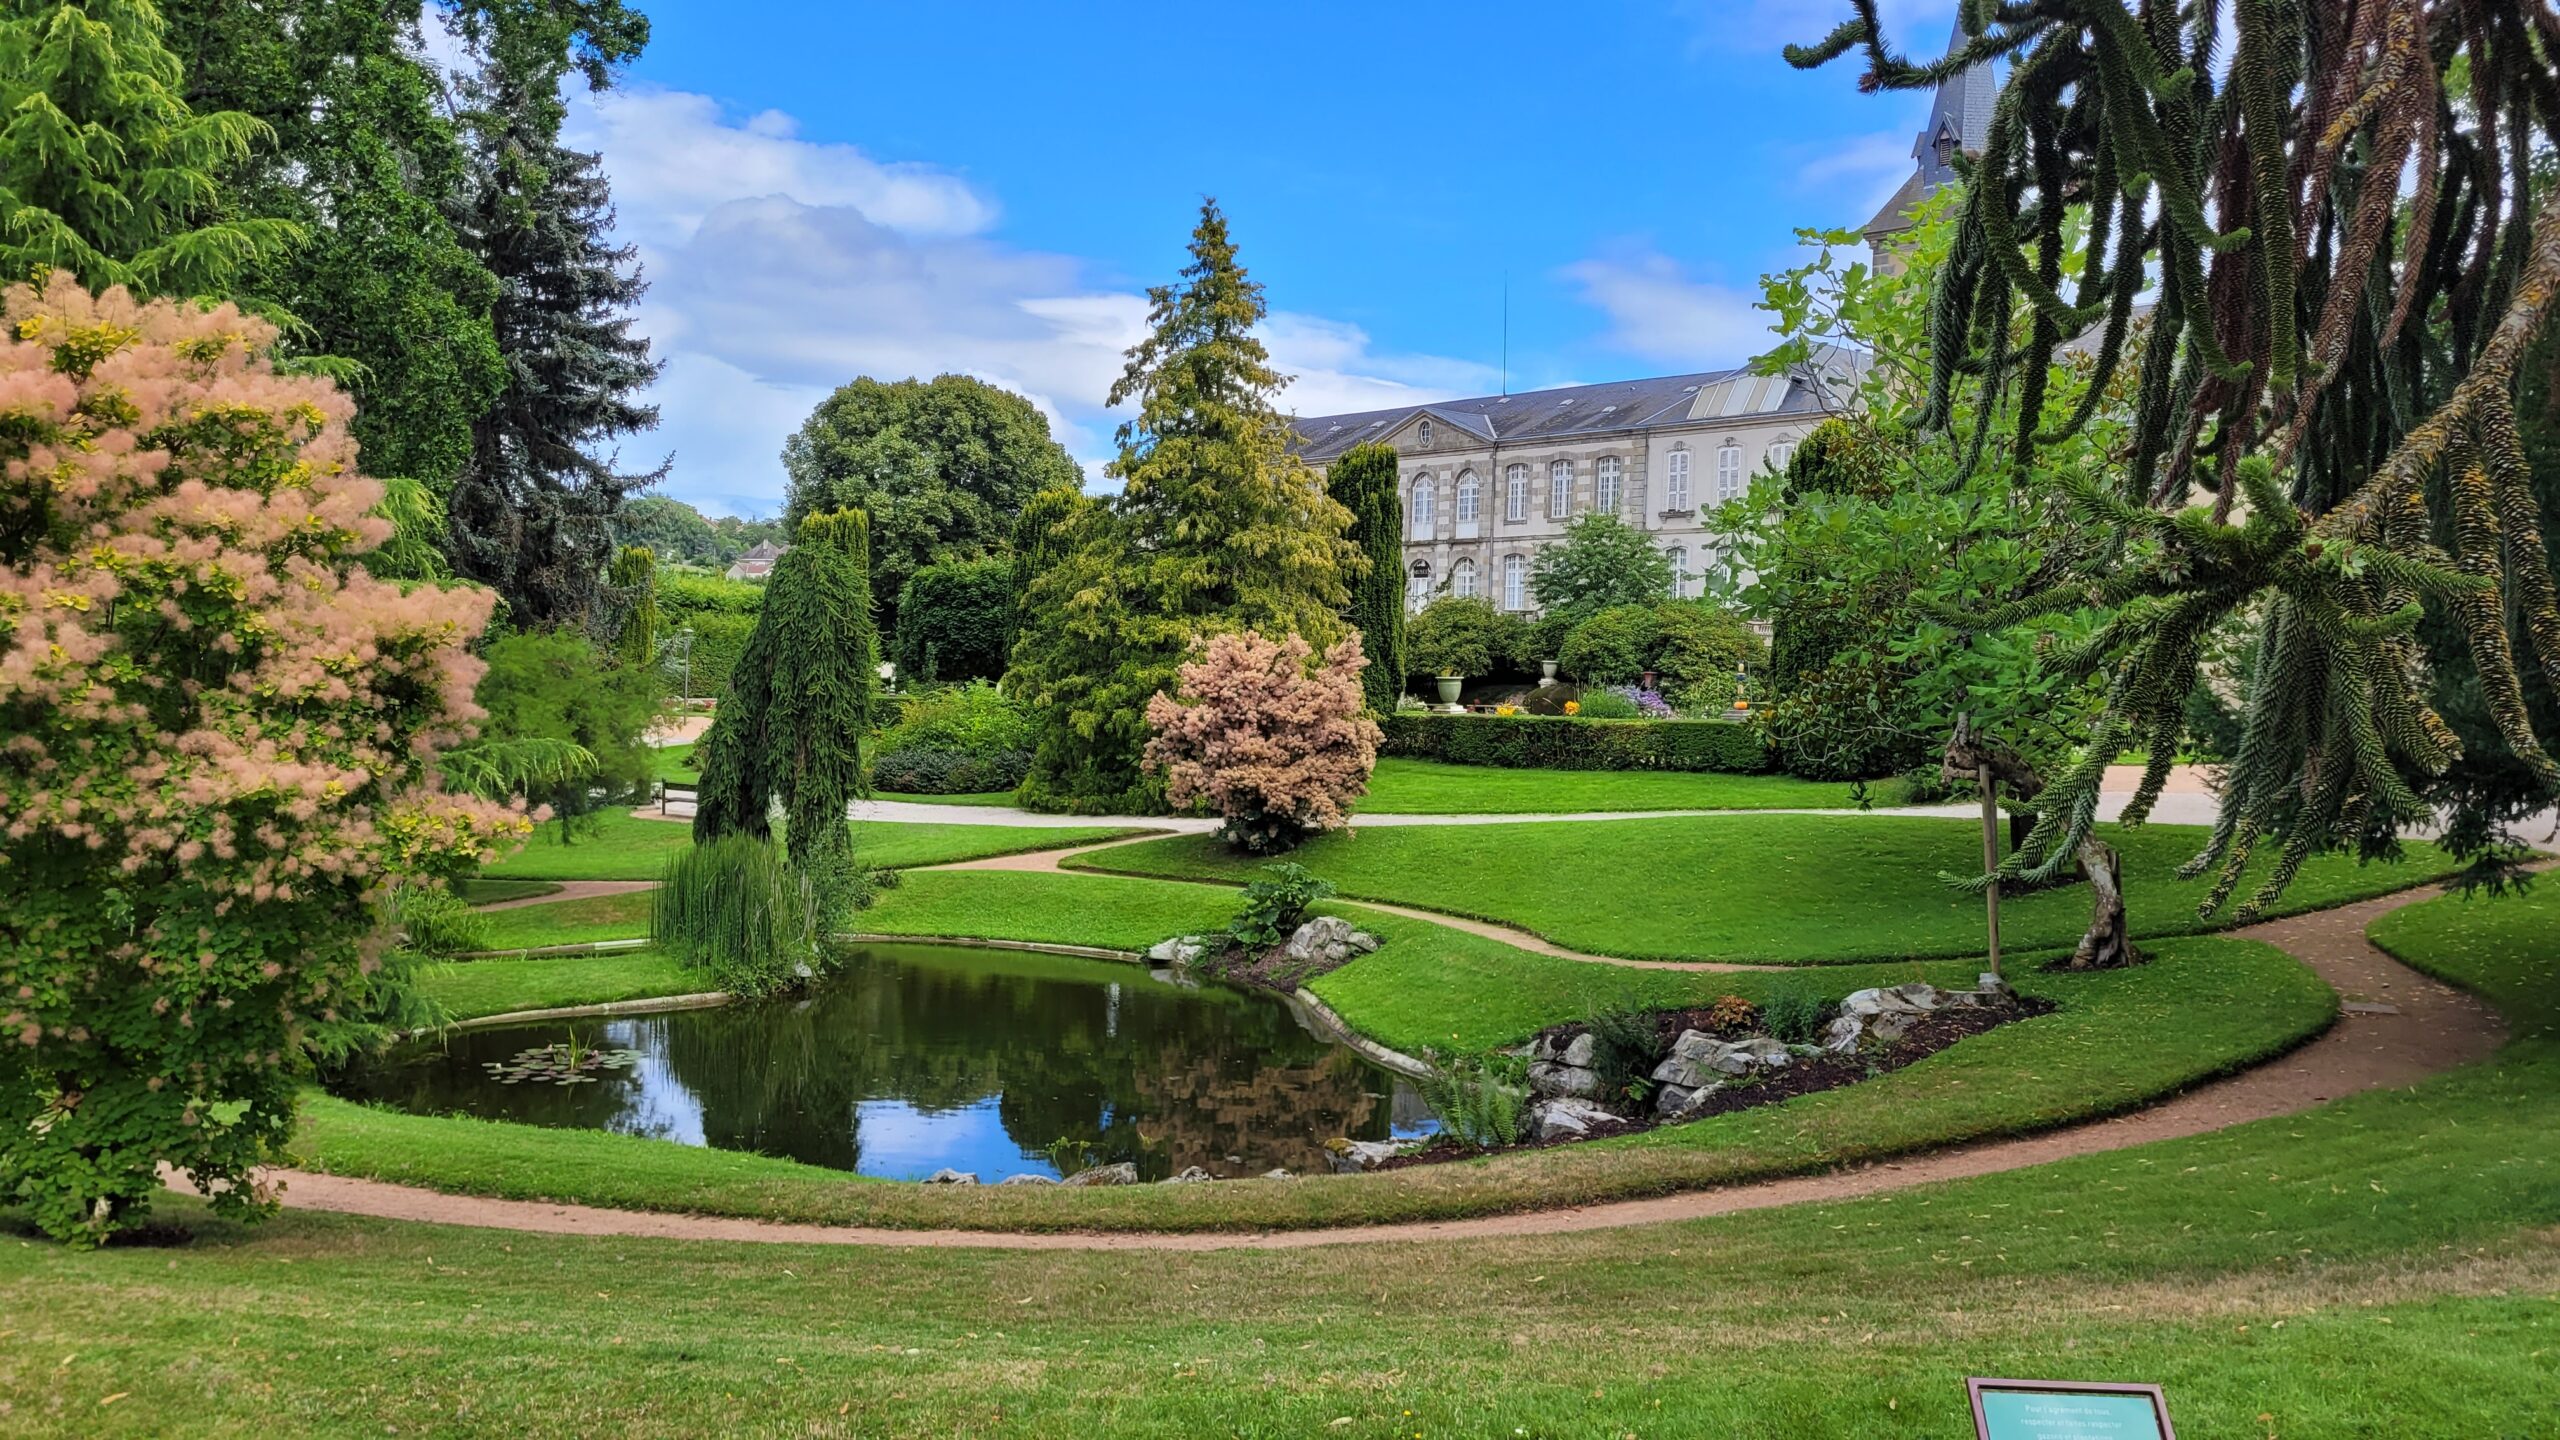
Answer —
(635, 575)
(1364, 482)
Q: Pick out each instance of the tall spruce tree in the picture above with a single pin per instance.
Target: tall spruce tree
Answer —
(2348, 276)
(532, 512)
(105, 171)
(1363, 481)
(799, 704)
(634, 577)
(1218, 527)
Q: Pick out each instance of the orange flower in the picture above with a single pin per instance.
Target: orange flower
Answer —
(1573, 707)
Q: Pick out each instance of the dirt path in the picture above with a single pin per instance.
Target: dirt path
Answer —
(570, 890)
(2399, 1027)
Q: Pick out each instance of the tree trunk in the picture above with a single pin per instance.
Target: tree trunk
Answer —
(2021, 822)
(2106, 946)
(1989, 782)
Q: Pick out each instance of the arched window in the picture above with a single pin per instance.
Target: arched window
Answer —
(1604, 485)
(1422, 432)
(1421, 507)
(1679, 556)
(1462, 580)
(1559, 489)
(1728, 472)
(1675, 483)
(1470, 494)
(1515, 493)
(1782, 454)
(1515, 582)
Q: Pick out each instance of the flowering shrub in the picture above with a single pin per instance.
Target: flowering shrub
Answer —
(1647, 704)
(1277, 745)
(221, 738)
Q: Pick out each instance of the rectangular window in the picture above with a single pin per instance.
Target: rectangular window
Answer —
(1604, 488)
(1728, 473)
(1515, 493)
(1560, 490)
(1515, 583)
(1675, 485)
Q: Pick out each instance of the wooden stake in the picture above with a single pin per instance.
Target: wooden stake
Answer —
(1989, 784)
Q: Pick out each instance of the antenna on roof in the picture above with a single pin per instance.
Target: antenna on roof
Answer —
(1506, 334)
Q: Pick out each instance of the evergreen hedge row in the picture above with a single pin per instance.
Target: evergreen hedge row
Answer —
(717, 639)
(1572, 743)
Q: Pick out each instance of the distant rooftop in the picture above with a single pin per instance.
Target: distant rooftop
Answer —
(1573, 410)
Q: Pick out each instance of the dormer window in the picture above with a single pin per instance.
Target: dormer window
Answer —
(1422, 433)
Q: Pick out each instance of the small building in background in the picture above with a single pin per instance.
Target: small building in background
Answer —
(756, 564)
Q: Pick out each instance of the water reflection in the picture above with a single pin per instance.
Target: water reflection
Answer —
(917, 1057)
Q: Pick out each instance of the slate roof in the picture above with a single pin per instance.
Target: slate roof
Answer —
(1574, 410)
(1961, 109)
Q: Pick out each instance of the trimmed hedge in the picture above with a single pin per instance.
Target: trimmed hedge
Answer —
(927, 770)
(717, 639)
(1526, 742)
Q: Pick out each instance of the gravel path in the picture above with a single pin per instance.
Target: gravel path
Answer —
(2399, 1027)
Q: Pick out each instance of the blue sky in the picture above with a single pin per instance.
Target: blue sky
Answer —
(830, 190)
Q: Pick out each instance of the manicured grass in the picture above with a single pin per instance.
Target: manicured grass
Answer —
(1432, 787)
(478, 891)
(470, 988)
(674, 762)
(2504, 948)
(2381, 1268)
(1752, 888)
(1097, 910)
(627, 847)
(570, 922)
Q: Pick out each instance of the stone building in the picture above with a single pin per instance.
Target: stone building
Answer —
(1959, 120)
(1488, 483)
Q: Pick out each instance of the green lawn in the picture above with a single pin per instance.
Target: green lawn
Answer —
(674, 762)
(1431, 787)
(1751, 888)
(626, 847)
(471, 988)
(1096, 910)
(2383, 1268)
(569, 922)
(489, 892)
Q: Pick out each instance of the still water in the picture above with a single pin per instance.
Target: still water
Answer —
(916, 1057)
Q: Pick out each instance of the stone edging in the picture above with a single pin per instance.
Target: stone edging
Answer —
(1036, 947)
(703, 1000)
(1377, 1054)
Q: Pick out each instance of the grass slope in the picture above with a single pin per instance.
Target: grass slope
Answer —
(1432, 787)
(627, 847)
(1766, 888)
(493, 987)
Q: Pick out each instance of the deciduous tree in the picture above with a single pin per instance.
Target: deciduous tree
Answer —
(1269, 734)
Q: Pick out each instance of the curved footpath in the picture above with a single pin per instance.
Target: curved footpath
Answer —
(2398, 1027)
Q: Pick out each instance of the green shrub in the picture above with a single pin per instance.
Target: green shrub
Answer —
(1607, 705)
(954, 620)
(1795, 1013)
(917, 771)
(1702, 646)
(1467, 635)
(437, 922)
(732, 909)
(718, 639)
(1625, 1046)
(1275, 905)
(1614, 647)
(1477, 1104)
(681, 596)
(1574, 743)
(959, 740)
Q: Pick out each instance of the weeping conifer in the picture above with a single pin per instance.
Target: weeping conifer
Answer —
(634, 576)
(2348, 271)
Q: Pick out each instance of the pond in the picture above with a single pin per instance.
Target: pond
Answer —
(911, 1058)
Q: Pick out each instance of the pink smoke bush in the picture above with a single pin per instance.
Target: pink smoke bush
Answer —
(220, 732)
(1277, 744)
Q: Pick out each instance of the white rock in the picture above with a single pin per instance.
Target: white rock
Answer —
(949, 1176)
(1572, 1081)
(1352, 1156)
(1192, 1175)
(1567, 1119)
(1844, 1034)
(1180, 950)
(1123, 1173)
(1277, 1175)
(1026, 1179)
(1581, 1050)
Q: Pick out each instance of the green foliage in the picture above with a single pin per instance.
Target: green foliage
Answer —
(1607, 705)
(943, 467)
(1218, 527)
(434, 921)
(702, 651)
(557, 687)
(1478, 1103)
(1274, 905)
(1613, 647)
(675, 532)
(634, 577)
(1704, 646)
(416, 514)
(1464, 635)
(824, 665)
(1625, 1046)
(954, 621)
(1795, 1013)
(1363, 480)
(1604, 562)
(1571, 743)
(105, 171)
(960, 740)
(733, 909)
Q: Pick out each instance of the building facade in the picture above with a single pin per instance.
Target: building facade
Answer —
(1488, 483)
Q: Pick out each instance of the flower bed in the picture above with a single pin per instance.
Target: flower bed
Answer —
(1573, 743)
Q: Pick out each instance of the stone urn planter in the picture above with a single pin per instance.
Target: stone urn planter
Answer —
(1449, 688)
(1546, 670)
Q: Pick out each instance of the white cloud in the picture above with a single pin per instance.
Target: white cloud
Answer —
(1870, 167)
(1658, 311)
(781, 267)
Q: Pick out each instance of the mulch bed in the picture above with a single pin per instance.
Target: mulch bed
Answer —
(1271, 970)
(1927, 1036)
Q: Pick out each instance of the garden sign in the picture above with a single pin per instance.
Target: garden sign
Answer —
(2067, 1410)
